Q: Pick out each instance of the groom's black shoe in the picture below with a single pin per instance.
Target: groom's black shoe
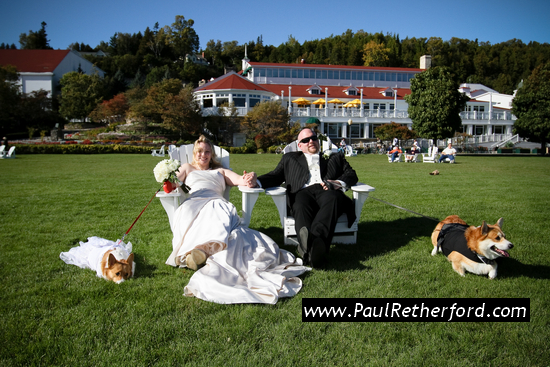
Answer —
(317, 253)
(303, 244)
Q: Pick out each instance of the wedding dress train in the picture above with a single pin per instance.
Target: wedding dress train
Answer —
(244, 265)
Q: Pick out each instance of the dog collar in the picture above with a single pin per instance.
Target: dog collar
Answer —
(486, 260)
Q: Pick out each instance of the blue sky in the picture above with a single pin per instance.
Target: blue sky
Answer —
(94, 21)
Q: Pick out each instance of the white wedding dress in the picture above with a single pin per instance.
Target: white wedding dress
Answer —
(244, 266)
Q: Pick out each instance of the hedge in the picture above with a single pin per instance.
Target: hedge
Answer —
(80, 149)
(108, 148)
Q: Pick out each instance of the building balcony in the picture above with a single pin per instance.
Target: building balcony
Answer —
(495, 115)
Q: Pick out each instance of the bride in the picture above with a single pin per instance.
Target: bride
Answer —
(234, 264)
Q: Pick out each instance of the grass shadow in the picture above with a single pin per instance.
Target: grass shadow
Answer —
(378, 238)
(373, 239)
(512, 268)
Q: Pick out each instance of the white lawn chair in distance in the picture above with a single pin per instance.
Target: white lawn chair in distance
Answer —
(171, 148)
(159, 153)
(350, 152)
(342, 233)
(431, 156)
(9, 154)
(2, 150)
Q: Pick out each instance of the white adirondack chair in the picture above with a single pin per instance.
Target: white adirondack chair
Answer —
(159, 153)
(9, 154)
(350, 152)
(397, 159)
(173, 200)
(431, 156)
(2, 150)
(342, 233)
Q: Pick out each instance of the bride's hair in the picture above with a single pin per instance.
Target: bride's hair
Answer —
(214, 162)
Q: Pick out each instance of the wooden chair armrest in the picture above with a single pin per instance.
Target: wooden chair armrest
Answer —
(278, 194)
(249, 198)
(360, 194)
(170, 202)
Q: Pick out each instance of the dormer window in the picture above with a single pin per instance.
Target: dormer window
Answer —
(388, 92)
(314, 89)
(351, 91)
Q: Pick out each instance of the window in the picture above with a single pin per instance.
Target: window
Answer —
(240, 99)
(388, 93)
(352, 92)
(498, 129)
(392, 107)
(314, 91)
(381, 106)
(254, 99)
(331, 130)
(479, 130)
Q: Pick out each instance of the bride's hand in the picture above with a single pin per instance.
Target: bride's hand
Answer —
(250, 179)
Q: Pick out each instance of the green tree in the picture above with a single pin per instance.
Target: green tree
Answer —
(531, 106)
(394, 130)
(182, 113)
(80, 94)
(435, 104)
(35, 40)
(10, 95)
(182, 38)
(152, 106)
(267, 118)
(375, 54)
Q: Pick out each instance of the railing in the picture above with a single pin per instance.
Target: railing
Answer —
(215, 111)
(495, 115)
(356, 112)
(348, 112)
(514, 139)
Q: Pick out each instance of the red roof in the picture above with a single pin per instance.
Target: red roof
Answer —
(318, 66)
(33, 61)
(333, 91)
(231, 81)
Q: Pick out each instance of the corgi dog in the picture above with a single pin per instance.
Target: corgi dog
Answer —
(111, 261)
(470, 248)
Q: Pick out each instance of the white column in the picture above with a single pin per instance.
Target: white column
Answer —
(326, 102)
(395, 103)
(362, 108)
(289, 100)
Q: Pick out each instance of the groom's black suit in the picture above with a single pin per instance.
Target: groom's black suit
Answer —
(293, 170)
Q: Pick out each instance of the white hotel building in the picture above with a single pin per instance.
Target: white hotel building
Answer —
(378, 93)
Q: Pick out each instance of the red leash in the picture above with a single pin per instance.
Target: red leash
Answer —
(129, 229)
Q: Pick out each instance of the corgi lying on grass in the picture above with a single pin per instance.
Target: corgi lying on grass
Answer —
(111, 260)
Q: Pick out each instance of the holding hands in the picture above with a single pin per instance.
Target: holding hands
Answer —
(250, 179)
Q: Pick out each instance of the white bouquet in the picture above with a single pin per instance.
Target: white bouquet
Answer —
(166, 170)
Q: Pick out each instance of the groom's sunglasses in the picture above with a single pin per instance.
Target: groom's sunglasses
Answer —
(306, 140)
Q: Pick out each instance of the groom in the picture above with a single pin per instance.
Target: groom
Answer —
(315, 188)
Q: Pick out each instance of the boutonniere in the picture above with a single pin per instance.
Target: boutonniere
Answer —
(327, 153)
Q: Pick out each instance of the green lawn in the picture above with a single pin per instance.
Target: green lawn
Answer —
(58, 314)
